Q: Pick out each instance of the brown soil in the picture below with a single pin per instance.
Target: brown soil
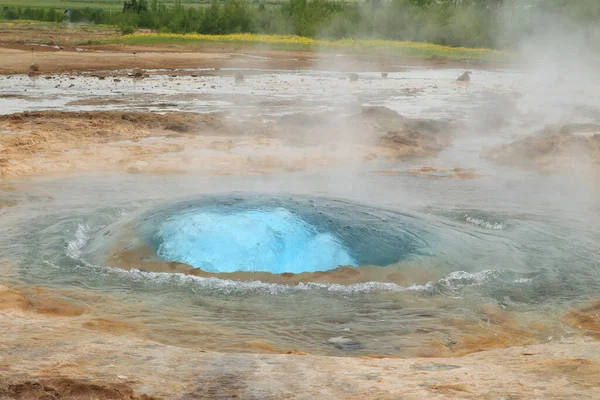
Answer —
(44, 301)
(113, 326)
(16, 59)
(39, 300)
(586, 318)
(10, 299)
(57, 142)
(431, 172)
(64, 34)
(67, 388)
(49, 142)
(569, 147)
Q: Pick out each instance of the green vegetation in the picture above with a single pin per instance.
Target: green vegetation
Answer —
(298, 43)
(467, 23)
(106, 5)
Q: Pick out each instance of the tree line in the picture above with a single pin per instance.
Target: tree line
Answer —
(468, 23)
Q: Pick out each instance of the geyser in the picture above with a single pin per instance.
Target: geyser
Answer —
(255, 233)
(273, 240)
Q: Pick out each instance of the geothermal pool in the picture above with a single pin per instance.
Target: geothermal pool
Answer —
(334, 261)
(433, 262)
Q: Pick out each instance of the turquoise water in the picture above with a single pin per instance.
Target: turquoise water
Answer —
(257, 233)
(273, 241)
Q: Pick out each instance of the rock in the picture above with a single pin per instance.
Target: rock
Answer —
(379, 112)
(353, 77)
(555, 148)
(465, 77)
(239, 77)
(384, 74)
(178, 127)
(342, 343)
(138, 72)
(301, 120)
(33, 67)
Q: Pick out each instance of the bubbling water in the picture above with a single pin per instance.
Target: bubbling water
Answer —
(275, 241)
(254, 233)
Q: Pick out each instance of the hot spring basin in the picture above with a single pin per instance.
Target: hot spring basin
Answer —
(260, 234)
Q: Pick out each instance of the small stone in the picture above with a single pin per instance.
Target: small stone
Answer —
(138, 72)
(239, 77)
(353, 77)
(33, 67)
(465, 77)
(384, 74)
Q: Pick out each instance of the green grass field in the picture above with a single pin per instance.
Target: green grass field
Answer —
(103, 4)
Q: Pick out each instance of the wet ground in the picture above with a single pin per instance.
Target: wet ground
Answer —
(497, 255)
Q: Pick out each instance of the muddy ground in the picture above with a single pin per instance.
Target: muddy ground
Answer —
(18, 57)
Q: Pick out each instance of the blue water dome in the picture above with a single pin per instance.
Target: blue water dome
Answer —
(269, 240)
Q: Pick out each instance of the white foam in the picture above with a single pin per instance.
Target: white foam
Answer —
(454, 281)
(523, 280)
(458, 279)
(81, 238)
(482, 223)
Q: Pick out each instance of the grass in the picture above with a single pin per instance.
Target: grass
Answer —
(81, 34)
(29, 24)
(23, 31)
(107, 5)
(298, 43)
(62, 4)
